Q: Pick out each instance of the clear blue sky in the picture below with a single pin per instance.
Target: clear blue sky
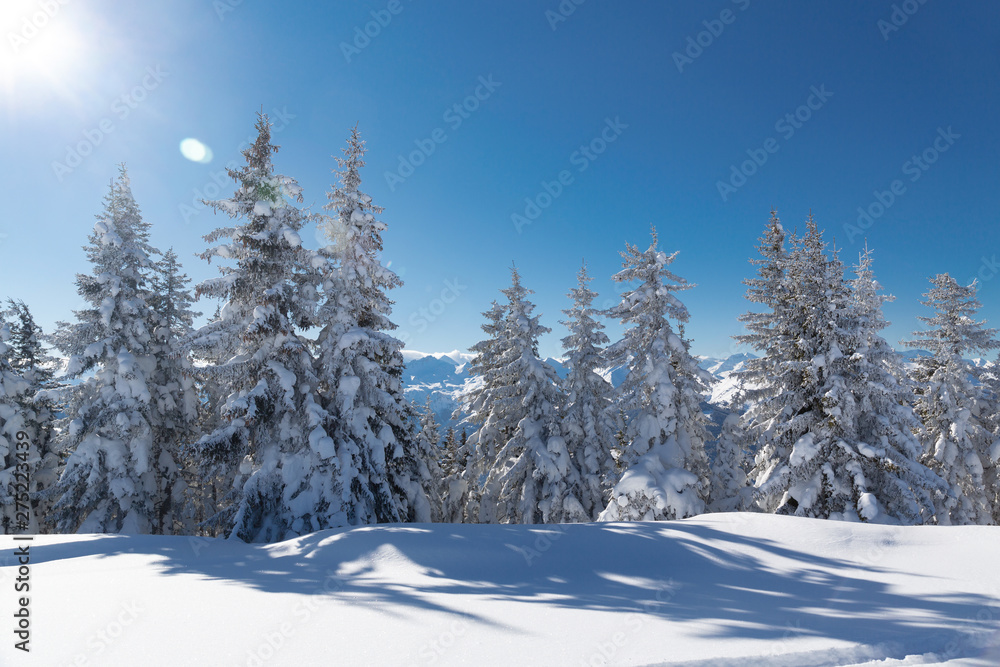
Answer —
(131, 80)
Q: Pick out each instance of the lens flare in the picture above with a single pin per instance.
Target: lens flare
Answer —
(194, 150)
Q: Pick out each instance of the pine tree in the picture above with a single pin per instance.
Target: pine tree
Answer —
(360, 363)
(480, 409)
(958, 444)
(532, 478)
(480, 404)
(766, 380)
(16, 460)
(816, 476)
(428, 448)
(454, 488)
(587, 423)
(271, 435)
(112, 482)
(38, 406)
(898, 487)
(174, 396)
(729, 490)
(990, 378)
(835, 439)
(666, 469)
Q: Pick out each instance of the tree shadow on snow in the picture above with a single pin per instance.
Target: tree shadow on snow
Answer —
(737, 586)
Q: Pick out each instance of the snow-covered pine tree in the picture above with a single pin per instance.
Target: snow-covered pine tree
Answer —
(766, 381)
(427, 448)
(175, 401)
(990, 377)
(958, 443)
(730, 490)
(271, 426)
(666, 469)
(480, 409)
(38, 405)
(360, 363)
(588, 425)
(17, 457)
(111, 481)
(898, 487)
(835, 435)
(532, 478)
(455, 486)
(211, 482)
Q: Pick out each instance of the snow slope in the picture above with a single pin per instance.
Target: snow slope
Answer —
(724, 589)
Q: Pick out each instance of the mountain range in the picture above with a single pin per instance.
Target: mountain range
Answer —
(443, 377)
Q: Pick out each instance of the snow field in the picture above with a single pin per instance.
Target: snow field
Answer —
(723, 589)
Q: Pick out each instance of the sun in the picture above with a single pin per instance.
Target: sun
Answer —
(39, 44)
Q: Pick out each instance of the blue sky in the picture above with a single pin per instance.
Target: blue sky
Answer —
(873, 85)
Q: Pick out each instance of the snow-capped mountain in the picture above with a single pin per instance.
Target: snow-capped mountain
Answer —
(719, 366)
(443, 376)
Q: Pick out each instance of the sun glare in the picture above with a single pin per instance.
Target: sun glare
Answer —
(40, 46)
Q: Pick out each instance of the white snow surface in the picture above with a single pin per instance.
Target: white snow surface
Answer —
(721, 589)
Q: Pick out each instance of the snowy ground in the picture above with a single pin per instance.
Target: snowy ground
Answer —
(721, 589)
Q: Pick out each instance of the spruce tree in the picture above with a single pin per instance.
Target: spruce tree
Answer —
(666, 469)
(427, 446)
(38, 404)
(360, 363)
(814, 476)
(480, 409)
(765, 381)
(899, 488)
(175, 401)
(532, 478)
(834, 434)
(114, 475)
(16, 458)
(958, 444)
(990, 377)
(454, 487)
(271, 437)
(588, 425)
(730, 490)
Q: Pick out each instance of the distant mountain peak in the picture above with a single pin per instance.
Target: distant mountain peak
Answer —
(457, 357)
